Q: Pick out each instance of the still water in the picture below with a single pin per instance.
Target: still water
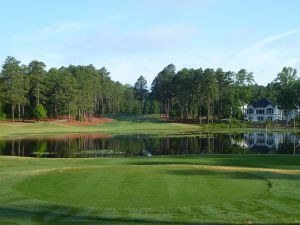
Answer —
(97, 145)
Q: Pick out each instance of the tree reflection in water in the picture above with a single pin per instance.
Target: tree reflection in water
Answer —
(133, 145)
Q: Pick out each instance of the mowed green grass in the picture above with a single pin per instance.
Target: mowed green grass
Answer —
(147, 125)
(245, 189)
(120, 125)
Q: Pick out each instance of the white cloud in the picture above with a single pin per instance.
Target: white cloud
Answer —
(129, 53)
(265, 58)
(268, 40)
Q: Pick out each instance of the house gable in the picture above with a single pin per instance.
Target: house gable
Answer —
(263, 103)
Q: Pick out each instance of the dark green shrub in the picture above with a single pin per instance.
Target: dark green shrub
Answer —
(39, 112)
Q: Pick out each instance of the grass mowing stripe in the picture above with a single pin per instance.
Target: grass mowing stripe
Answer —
(161, 190)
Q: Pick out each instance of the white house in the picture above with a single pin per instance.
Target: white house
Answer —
(264, 110)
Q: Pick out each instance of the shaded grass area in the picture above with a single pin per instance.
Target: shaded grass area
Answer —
(58, 217)
(256, 161)
(158, 190)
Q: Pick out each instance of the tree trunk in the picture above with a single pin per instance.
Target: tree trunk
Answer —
(38, 96)
(199, 113)
(23, 112)
(90, 116)
(213, 112)
(55, 111)
(102, 106)
(69, 114)
(19, 112)
(243, 110)
(208, 111)
(13, 113)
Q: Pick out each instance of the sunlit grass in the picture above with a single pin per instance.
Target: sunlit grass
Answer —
(156, 190)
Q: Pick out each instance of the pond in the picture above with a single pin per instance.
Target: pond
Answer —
(99, 145)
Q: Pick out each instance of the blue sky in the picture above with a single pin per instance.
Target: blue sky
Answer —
(140, 37)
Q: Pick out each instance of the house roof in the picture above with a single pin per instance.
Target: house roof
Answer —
(262, 103)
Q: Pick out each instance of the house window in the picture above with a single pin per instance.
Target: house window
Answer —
(270, 118)
(260, 111)
(260, 118)
(270, 111)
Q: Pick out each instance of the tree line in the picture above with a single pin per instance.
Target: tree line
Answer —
(80, 92)
(28, 91)
(216, 94)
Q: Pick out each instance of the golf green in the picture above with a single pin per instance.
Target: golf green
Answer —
(145, 186)
(219, 189)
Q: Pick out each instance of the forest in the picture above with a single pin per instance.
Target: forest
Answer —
(83, 91)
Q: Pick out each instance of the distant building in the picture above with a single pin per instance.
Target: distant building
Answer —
(266, 110)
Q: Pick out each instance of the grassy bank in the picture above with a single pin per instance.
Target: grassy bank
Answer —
(115, 127)
(122, 125)
(162, 190)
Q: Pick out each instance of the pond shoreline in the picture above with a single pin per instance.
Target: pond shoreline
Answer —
(95, 145)
(125, 127)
